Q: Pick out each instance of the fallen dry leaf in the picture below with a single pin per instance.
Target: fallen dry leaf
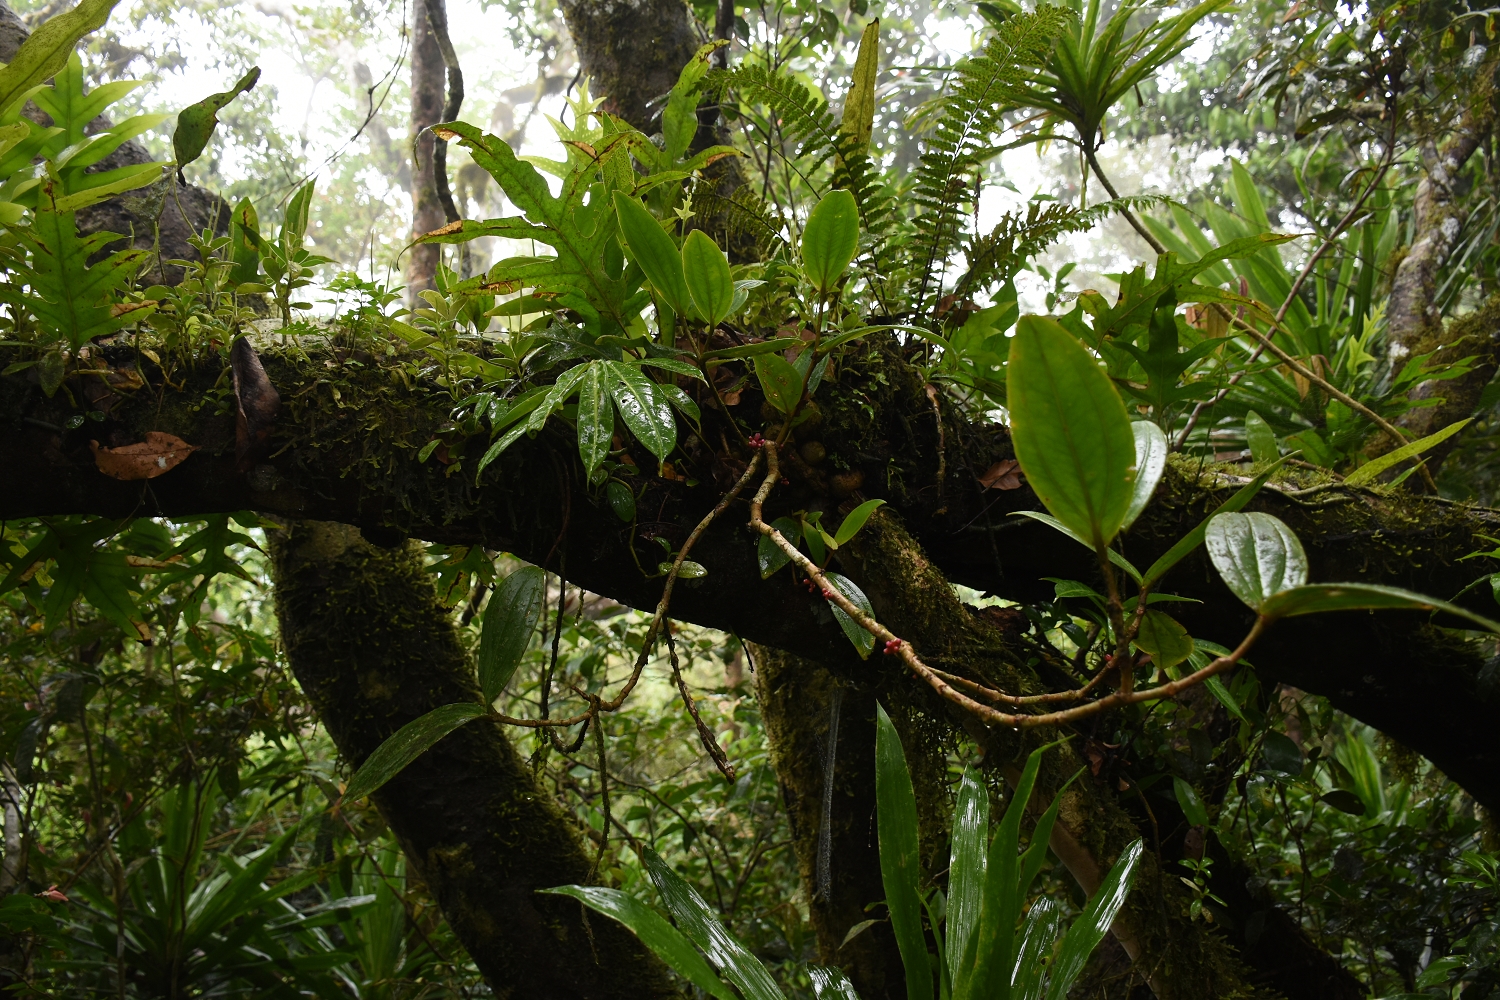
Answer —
(1003, 475)
(159, 453)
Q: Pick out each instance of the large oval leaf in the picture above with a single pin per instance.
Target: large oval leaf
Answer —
(1318, 597)
(653, 930)
(406, 745)
(654, 251)
(830, 239)
(509, 620)
(779, 381)
(1150, 462)
(1164, 638)
(646, 410)
(1256, 554)
(708, 279)
(1261, 438)
(1072, 436)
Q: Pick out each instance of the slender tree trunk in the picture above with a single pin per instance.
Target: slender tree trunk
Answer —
(428, 76)
(373, 649)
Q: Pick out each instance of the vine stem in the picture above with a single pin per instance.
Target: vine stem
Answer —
(613, 705)
(937, 681)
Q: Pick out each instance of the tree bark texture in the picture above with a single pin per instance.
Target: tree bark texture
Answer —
(373, 649)
(160, 217)
(632, 51)
(353, 459)
(796, 698)
(428, 77)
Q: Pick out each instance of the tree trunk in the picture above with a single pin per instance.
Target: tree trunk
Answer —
(840, 874)
(632, 51)
(373, 649)
(428, 75)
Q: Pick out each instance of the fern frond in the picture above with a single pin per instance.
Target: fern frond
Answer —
(996, 257)
(984, 86)
(745, 215)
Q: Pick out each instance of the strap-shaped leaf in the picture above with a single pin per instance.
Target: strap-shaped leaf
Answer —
(1043, 924)
(830, 983)
(1315, 598)
(653, 930)
(858, 119)
(971, 831)
(407, 744)
(830, 239)
(1092, 924)
(1368, 472)
(645, 409)
(863, 639)
(698, 920)
(1151, 450)
(1072, 436)
(509, 620)
(900, 863)
(1114, 556)
(1256, 554)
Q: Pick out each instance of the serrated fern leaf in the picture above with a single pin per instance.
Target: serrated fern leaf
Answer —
(70, 300)
(962, 138)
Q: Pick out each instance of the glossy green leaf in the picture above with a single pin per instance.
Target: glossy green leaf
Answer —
(1256, 554)
(1280, 752)
(1114, 557)
(856, 520)
(1344, 801)
(652, 249)
(645, 409)
(674, 366)
(706, 270)
(196, 123)
(509, 620)
(596, 416)
(1368, 472)
(406, 745)
(44, 54)
(779, 381)
(971, 830)
(699, 922)
(653, 930)
(1038, 938)
(1151, 450)
(900, 862)
(830, 983)
(621, 500)
(1261, 438)
(1192, 805)
(864, 641)
(772, 346)
(1194, 538)
(243, 250)
(1071, 433)
(1315, 598)
(770, 555)
(1092, 924)
(830, 239)
(1164, 638)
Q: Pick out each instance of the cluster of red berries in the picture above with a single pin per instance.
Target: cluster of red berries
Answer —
(893, 646)
(757, 441)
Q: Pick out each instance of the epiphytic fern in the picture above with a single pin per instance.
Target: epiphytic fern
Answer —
(995, 257)
(773, 101)
(963, 138)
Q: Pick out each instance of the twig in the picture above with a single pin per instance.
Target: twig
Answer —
(706, 735)
(898, 646)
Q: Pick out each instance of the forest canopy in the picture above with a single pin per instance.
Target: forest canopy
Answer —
(881, 500)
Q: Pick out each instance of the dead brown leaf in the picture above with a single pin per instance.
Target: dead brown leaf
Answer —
(158, 454)
(1003, 475)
